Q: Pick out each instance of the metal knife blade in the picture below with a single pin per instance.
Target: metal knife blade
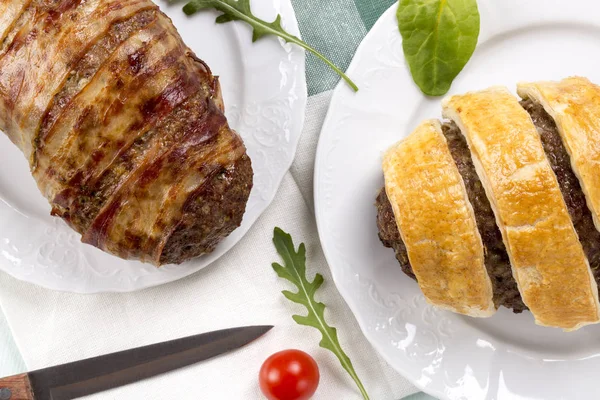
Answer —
(85, 377)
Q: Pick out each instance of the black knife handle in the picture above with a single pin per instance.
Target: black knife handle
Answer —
(16, 387)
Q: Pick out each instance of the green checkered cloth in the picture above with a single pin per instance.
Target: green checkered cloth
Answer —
(336, 28)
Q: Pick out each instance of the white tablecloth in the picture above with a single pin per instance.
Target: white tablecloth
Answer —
(11, 362)
(239, 289)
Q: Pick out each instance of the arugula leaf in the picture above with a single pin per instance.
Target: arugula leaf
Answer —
(239, 10)
(438, 37)
(294, 270)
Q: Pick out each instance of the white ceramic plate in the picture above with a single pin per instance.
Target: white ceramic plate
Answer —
(264, 88)
(446, 355)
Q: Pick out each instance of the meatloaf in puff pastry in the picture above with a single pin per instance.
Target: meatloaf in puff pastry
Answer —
(529, 171)
(449, 267)
(123, 126)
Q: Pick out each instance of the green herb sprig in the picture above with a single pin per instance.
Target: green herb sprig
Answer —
(294, 270)
(239, 10)
(438, 39)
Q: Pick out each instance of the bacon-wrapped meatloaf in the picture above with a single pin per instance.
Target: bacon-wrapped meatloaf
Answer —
(122, 125)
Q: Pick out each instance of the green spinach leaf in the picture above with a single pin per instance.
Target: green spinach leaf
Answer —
(438, 38)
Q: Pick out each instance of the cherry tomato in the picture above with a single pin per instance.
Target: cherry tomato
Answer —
(289, 375)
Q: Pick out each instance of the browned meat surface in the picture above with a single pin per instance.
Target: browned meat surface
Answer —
(389, 234)
(211, 213)
(123, 126)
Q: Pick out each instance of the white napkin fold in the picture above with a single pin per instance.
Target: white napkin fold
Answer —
(239, 289)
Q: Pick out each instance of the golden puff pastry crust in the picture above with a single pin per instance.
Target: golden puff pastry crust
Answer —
(437, 223)
(547, 258)
(574, 104)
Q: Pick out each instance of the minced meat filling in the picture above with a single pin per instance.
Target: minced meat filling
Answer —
(497, 263)
(568, 182)
(389, 234)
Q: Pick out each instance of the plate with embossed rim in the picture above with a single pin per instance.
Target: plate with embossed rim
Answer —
(448, 356)
(264, 89)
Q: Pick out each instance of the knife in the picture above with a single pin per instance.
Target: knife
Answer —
(85, 377)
